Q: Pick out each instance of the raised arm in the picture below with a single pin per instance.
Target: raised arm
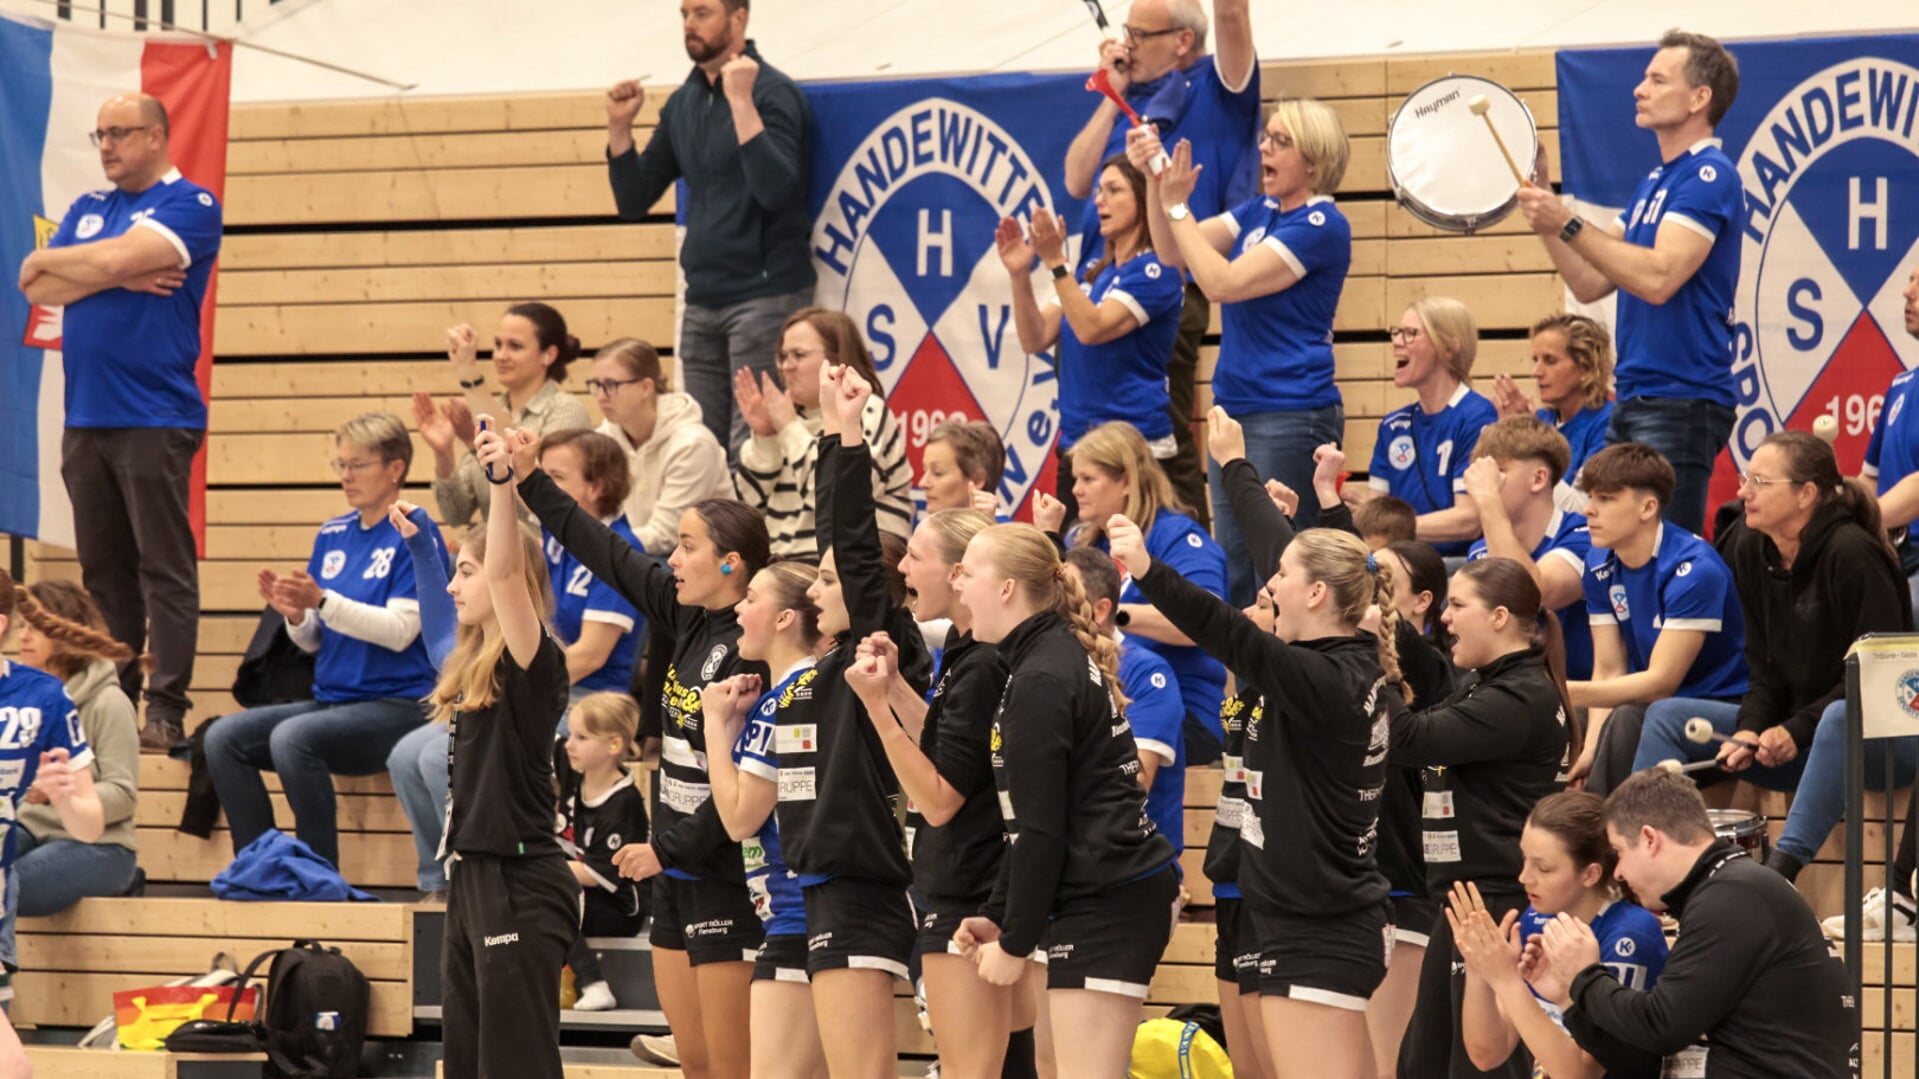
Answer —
(854, 524)
(638, 178)
(770, 122)
(514, 607)
(439, 624)
(1038, 327)
(875, 679)
(635, 574)
(1266, 528)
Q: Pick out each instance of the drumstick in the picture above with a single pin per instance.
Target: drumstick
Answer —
(1673, 766)
(1699, 731)
(1481, 107)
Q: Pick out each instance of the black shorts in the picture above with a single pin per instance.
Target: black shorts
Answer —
(938, 921)
(711, 921)
(1413, 919)
(1337, 961)
(1236, 951)
(782, 958)
(1112, 942)
(858, 925)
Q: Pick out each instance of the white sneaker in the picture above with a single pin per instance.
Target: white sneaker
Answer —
(656, 1049)
(597, 997)
(1872, 919)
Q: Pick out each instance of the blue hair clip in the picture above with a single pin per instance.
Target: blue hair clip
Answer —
(1372, 564)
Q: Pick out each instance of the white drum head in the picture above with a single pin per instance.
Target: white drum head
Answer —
(1445, 166)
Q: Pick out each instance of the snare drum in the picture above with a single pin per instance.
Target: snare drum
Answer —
(1744, 829)
(1445, 167)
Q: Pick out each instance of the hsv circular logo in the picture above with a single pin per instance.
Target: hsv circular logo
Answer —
(904, 245)
(1908, 693)
(1827, 243)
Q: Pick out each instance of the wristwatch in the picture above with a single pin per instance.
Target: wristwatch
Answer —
(1061, 271)
(1178, 211)
(1571, 230)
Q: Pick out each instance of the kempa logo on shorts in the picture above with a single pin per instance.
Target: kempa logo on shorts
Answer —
(1820, 320)
(904, 244)
(503, 938)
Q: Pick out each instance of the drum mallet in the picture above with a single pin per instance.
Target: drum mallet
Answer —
(1699, 731)
(1673, 766)
(1481, 107)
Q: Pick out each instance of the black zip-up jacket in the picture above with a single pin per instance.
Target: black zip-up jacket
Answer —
(687, 833)
(747, 230)
(1801, 621)
(957, 862)
(1315, 764)
(1067, 774)
(1268, 533)
(1751, 973)
(838, 794)
(1490, 752)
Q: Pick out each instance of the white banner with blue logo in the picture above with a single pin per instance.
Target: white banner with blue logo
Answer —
(909, 180)
(1826, 136)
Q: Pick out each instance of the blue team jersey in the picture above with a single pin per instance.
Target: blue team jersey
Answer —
(1893, 453)
(1631, 945)
(1683, 347)
(1276, 351)
(36, 716)
(1222, 125)
(579, 598)
(370, 566)
(1158, 716)
(1566, 538)
(1684, 585)
(775, 888)
(1189, 550)
(109, 383)
(1125, 378)
(1422, 459)
(1585, 432)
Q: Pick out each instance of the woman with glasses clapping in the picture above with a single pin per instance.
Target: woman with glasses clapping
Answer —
(673, 457)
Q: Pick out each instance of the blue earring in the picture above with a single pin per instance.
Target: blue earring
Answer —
(726, 568)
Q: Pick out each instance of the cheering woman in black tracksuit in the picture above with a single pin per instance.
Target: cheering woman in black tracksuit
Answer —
(838, 828)
(1490, 752)
(722, 544)
(1315, 770)
(1084, 874)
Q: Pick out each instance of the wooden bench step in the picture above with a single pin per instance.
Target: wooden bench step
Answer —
(67, 1062)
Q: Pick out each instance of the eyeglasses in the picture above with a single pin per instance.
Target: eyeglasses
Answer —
(1760, 483)
(1275, 140)
(795, 355)
(115, 134)
(1403, 333)
(1134, 35)
(607, 387)
(341, 468)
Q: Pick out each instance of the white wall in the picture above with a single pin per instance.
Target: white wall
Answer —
(491, 46)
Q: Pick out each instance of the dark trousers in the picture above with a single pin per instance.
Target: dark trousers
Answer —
(1433, 1048)
(1618, 744)
(1185, 469)
(509, 924)
(1690, 434)
(128, 486)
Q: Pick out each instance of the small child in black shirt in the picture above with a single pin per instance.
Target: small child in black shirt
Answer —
(601, 810)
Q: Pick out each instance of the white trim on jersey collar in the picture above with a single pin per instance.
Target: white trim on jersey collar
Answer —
(1659, 538)
(1554, 522)
(1703, 143)
(1317, 199)
(1459, 394)
(625, 780)
(804, 663)
(171, 176)
(6, 668)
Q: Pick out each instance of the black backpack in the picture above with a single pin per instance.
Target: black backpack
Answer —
(314, 1022)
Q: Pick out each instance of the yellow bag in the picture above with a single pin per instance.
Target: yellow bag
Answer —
(1173, 1049)
(145, 1017)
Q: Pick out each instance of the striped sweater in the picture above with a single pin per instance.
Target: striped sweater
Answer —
(776, 477)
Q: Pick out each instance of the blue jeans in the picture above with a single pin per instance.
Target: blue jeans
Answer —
(418, 767)
(307, 743)
(715, 342)
(1817, 774)
(1690, 434)
(1280, 446)
(47, 878)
